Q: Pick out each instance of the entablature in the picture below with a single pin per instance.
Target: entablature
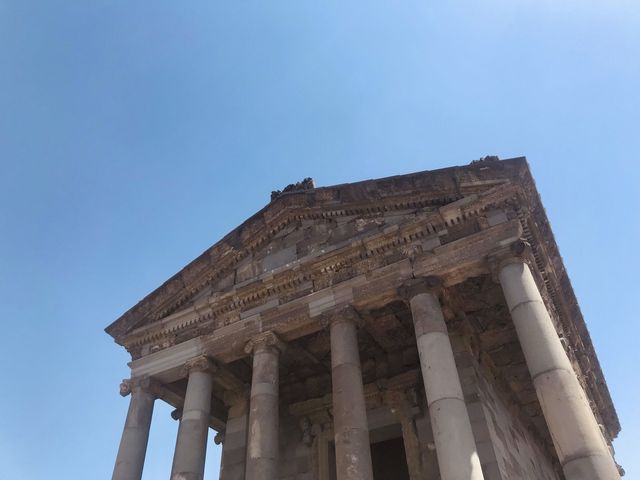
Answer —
(303, 315)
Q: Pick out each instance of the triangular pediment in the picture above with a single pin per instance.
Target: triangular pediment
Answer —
(299, 226)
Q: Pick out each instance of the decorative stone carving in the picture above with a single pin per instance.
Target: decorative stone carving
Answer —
(515, 252)
(264, 340)
(145, 383)
(199, 364)
(305, 184)
(125, 387)
(344, 314)
(486, 159)
(416, 286)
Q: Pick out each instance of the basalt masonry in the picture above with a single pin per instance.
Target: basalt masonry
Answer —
(416, 327)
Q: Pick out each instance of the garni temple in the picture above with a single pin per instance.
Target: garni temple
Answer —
(416, 327)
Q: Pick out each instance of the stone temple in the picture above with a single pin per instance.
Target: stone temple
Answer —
(421, 326)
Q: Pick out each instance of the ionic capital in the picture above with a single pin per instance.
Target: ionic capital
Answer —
(140, 384)
(264, 340)
(125, 387)
(416, 286)
(344, 314)
(199, 364)
(516, 252)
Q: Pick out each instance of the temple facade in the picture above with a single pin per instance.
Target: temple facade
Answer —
(416, 327)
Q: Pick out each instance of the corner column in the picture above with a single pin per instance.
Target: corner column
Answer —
(133, 444)
(191, 445)
(262, 440)
(455, 446)
(581, 447)
(351, 431)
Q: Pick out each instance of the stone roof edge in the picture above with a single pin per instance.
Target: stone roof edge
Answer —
(143, 307)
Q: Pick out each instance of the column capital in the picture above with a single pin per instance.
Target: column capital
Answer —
(125, 387)
(199, 364)
(416, 286)
(219, 438)
(264, 340)
(343, 314)
(516, 252)
(145, 384)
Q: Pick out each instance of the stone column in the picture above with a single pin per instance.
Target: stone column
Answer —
(191, 445)
(455, 446)
(133, 444)
(262, 441)
(581, 447)
(234, 450)
(351, 431)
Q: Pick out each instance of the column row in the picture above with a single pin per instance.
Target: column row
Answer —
(580, 445)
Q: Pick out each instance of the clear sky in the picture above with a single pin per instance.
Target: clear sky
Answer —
(133, 135)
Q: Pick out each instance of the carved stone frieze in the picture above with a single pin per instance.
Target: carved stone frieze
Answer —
(216, 262)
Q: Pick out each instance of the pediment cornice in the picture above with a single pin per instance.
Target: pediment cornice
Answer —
(441, 192)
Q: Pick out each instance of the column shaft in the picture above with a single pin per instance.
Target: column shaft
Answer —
(191, 445)
(262, 447)
(455, 446)
(133, 444)
(351, 431)
(583, 452)
(234, 451)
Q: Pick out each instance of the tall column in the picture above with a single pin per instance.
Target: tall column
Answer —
(351, 431)
(262, 440)
(191, 445)
(133, 444)
(581, 448)
(455, 446)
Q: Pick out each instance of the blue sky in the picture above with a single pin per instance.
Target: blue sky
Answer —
(133, 135)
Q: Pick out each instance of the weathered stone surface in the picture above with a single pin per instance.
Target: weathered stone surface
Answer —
(313, 254)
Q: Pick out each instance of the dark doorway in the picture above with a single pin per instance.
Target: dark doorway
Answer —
(389, 460)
